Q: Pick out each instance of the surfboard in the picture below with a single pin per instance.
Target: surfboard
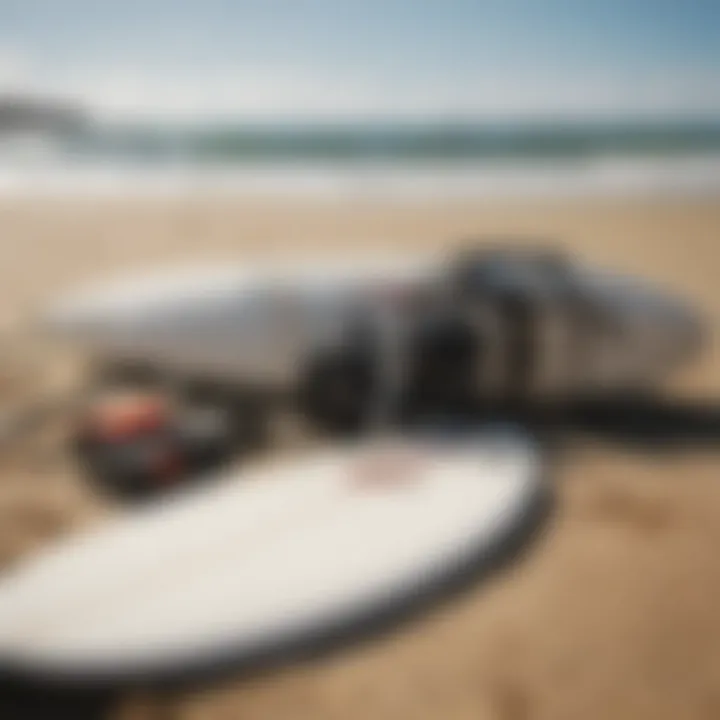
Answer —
(267, 558)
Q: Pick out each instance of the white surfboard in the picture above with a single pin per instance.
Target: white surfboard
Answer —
(277, 554)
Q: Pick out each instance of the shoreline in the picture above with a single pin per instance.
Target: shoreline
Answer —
(378, 181)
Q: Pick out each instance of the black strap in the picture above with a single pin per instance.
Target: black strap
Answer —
(21, 699)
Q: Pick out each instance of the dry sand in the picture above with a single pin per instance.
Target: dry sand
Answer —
(615, 614)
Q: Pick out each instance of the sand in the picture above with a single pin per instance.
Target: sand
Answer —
(614, 614)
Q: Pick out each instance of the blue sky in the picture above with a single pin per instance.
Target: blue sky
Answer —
(284, 58)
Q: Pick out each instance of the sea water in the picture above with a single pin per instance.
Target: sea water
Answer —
(369, 160)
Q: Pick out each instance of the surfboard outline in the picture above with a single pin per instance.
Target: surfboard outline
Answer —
(312, 641)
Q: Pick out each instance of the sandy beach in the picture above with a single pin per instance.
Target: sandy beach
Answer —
(615, 612)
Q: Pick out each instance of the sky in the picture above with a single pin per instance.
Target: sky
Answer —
(288, 59)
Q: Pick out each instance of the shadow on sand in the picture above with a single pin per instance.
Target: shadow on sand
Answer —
(652, 423)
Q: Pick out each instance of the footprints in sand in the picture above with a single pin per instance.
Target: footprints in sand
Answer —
(643, 512)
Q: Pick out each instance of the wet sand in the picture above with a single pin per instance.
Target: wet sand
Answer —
(615, 612)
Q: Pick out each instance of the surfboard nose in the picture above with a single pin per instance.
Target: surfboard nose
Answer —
(688, 329)
(644, 332)
(678, 329)
(85, 320)
(140, 303)
(665, 331)
(70, 317)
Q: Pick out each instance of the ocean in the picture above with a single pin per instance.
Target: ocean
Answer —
(380, 160)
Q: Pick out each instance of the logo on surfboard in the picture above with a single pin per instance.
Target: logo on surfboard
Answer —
(388, 468)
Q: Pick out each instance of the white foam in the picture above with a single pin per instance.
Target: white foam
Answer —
(607, 176)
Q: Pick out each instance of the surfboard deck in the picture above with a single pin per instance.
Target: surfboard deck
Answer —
(268, 558)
